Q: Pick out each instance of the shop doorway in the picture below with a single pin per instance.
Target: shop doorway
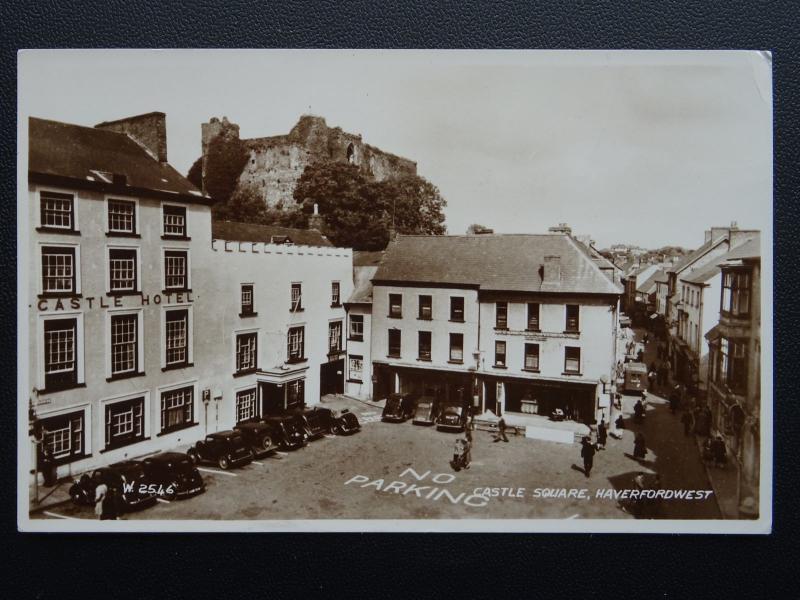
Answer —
(331, 377)
(272, 398)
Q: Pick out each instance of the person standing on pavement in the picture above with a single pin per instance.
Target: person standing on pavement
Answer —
(587, 453)
(100, 493)
(639, 446)
(501, 431)
(688, 422)
(602, 434)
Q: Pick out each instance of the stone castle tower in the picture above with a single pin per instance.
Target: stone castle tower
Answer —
(276, 163)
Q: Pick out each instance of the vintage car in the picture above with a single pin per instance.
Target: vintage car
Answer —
(316, 420)
(174, 473)
(128, 480)
(225, 449)
(272, 432)
(344, 422)
(452, 415)
(399, 407)
(635, 378)
(426, 411)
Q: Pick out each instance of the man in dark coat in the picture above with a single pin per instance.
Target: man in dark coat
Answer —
(501, 431)
(602, 434)
(639, 446)
(587, 453)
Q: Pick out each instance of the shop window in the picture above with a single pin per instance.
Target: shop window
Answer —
(295, 394)
(573, 318)
(355, 368)
(356, 328)
(425, 308)
(395, 306)
(457, 347)
(60, 354)
(501, 315)
(533, 316)
(246, 352)
(58, 270)
(572, 359)
(531, 357)
(295, 344)
(394, 343)
(124, 423)
(245, 405)
(57, 211)
(177, 409)
(457, 309)
(499, 353)
(424, 345)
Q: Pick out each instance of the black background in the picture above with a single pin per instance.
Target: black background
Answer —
(267, 565)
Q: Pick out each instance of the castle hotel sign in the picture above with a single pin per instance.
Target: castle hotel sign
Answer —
(95, 302)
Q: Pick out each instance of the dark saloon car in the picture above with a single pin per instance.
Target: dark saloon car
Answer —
(128, 480)
(344, 422)
(174, 474)
(317, 420)
(453, 415)
(426, 410)
(399, 407)
(225, 449)
(270, 433)
(289, 430)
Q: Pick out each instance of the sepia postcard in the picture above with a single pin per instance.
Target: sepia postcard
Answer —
(307, 290)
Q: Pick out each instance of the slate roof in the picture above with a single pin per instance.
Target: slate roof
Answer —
(693, 256)
(511, 262)
(251, 232)
(66, 153)
(705, 273)
(750, 249)
(650, 282)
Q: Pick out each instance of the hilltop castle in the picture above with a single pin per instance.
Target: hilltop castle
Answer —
(276, 163)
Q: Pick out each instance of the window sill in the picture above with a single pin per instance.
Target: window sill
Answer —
(59, 295)
(296, 310)
(118, 294)
(419, 358)
(455, 362)
(355, 339)
(181, 238)
(394, 316)
(499, 367)
(456, 320)
(354, 381)
(577, 373)
(174, 429)
(537, 330)
(531, 370)
(501, 329)
(296, 361)
(245, 372)
(177, 366)
(249, 314)
(123, 445)
(424, 318)
(392, 356)
(124, 234)
(177, 291)
(336, 305)
(56, 389)
(57, 230)
(575, 331)
(125, 376)
(334, 353)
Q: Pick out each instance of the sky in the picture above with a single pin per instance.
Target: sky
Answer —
(645, 148)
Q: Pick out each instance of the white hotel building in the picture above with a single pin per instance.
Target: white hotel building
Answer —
(144, 331)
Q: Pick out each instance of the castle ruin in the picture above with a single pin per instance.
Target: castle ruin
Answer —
(276, 163)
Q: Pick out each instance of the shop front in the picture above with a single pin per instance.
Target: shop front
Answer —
(443, 385)
(280, 390)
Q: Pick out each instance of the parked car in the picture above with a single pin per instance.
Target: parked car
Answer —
(128, 480)
(272, 432)
(344, 422)
(399, 407)
(290, 430)
(425, 411)
(174, 473)
(226, 449)
(453, 415)
(316, 420)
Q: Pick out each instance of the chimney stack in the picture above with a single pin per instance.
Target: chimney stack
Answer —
(148, 130)
(316, 221)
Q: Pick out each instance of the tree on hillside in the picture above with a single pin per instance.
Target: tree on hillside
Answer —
(359, 213)
(224, 163)
(195, 174)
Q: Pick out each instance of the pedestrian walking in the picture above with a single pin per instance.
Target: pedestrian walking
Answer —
(639, 446)
(674, 399)
(638, 410)
(688, 422)
(620, 422)
(501, 431)
(100, 494)
(651, 378)
(587, 453)
(602, 434)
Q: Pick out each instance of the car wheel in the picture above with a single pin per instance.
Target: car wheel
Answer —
(223, 462)
(336, 430)
(266, 443)
(192, 454)
(174, 493)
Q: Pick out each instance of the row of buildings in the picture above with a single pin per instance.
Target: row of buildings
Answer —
(710, 307)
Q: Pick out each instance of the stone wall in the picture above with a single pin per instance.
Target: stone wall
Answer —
(276, 163)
